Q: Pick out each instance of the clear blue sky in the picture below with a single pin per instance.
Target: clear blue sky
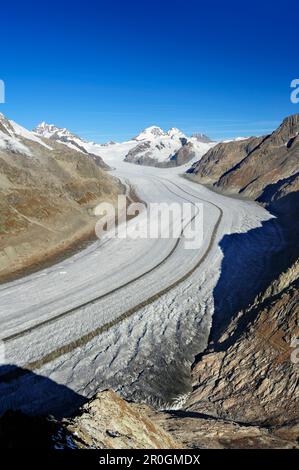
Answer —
(107, 69)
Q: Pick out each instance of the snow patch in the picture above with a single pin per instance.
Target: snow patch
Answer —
(13, 145)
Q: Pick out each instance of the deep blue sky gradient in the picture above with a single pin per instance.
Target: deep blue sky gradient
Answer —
(107, 69)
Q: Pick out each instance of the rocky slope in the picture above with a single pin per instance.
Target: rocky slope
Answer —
(162, 149)
(62, 135)
(222, 158)
(245, 384)
(263, 168)
(108, 421)
(105, 422)
(47, 195)
(253, 362)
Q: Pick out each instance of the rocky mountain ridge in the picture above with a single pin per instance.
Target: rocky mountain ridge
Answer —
(47, 192)
(64, 136)
(262, 168)
(153, 146)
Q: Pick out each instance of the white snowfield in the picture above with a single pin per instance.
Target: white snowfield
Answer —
(122, 312)
(162, 145)
(12, 139)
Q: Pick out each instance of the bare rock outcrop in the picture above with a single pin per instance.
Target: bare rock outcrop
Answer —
(250, 376)
(109, 422)
(195, 430)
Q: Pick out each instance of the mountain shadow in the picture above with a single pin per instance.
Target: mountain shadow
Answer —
(24, 391)
(21, 431)
(251, 261)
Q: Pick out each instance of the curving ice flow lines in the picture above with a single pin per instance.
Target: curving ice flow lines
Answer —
(66, 348)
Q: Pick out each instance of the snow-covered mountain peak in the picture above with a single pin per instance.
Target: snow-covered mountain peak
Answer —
(154, 132)
(64, 136)
(50, 131)
(150, 133)
(175, 132)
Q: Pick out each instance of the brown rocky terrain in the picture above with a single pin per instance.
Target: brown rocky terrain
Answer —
(245, 386)
(222, 158)
(186, 153)
(105, 422)
(262, 168)
(110, 422)
(253, 362)
(47, 195)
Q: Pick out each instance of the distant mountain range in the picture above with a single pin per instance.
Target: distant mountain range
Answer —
(201, 137)
(152, 147)
(166, 149)
(49, 131)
